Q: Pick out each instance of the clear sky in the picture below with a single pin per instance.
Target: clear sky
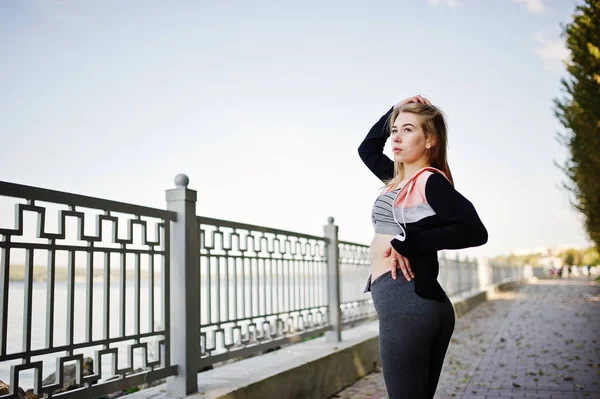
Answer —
(263, 105)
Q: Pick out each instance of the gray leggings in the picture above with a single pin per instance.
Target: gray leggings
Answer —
(414, 334)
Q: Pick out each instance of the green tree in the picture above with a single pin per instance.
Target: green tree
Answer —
(579, 113)
(591, 257)
(578, 258)
(569, 258)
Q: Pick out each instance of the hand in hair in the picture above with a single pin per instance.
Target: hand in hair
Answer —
(414, 99)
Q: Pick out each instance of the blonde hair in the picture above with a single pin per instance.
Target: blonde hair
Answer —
(433, 123)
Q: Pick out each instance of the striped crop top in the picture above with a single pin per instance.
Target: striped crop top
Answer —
(382, 215)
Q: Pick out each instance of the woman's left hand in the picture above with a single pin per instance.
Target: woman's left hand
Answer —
(399, 261)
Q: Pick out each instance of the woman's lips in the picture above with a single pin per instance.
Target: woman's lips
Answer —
(397, 150)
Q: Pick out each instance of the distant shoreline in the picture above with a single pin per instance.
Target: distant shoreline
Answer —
(40, 274)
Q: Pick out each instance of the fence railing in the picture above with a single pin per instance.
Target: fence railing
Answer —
(458, 277)
(132, 294)
(59, 329)
(354, 269)
(259, 288)
(503, 273)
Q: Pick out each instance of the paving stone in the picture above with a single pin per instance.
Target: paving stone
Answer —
(540, 341)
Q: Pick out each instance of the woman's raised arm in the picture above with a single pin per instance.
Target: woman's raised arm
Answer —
(371, 149)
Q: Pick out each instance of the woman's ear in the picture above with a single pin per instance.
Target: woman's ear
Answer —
(430, 141)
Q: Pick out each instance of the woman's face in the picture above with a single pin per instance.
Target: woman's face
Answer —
(408, 138)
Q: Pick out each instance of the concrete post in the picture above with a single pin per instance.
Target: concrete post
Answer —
(333, 282)
(185, 290)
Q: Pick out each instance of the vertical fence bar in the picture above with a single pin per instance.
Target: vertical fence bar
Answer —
(50, 297)
(313, 286)
(251, 285)
(288, 286)
(209, 290)
(70, 300)
(27, 304)
(166, 291)
(151, 293)
(4, 275)
(89, 300)
(243, 302)
(259, 289)
(185, 293)
(122, 287)
(305, 303)
(218, 291)
(235, 289)
(278, 296)
(106, 295)
(333, 282)
(227, 290)
(137, 294)
(265, 285)
(271, 282)
(293, 283)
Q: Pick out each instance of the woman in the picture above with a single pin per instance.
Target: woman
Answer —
(417, 213)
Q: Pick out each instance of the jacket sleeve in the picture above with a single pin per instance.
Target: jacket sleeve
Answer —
(461, 226)
(371, 149)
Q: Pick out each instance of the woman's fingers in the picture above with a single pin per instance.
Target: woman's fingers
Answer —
(387, 252)
(413, 99)
(412, 275)
(402, 262)
(424, 100)
(399, 262)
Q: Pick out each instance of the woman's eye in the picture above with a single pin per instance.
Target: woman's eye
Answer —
(407, 130)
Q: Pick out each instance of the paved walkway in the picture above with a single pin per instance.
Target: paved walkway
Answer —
(542, 341)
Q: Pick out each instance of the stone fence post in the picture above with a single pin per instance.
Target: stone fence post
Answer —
(184, 300)
(333, 282)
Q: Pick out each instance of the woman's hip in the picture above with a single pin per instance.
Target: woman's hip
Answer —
(394, 298)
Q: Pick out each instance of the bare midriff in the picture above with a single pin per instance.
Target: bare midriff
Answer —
(380, 244)
(379, 263)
